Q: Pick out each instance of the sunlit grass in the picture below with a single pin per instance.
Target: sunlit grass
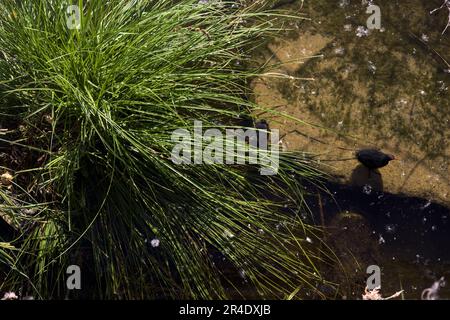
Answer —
(90, 113)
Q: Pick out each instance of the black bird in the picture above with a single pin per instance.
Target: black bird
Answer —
(262, 125)
(262, 129)
(263, 132)
(248, 122)
(373, 159)
(245, 120)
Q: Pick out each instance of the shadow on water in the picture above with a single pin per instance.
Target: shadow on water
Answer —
(407, 237)
(361, 176)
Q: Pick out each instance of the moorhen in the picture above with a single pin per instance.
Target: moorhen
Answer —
(263, 131)
(373, 159)
(262, 125)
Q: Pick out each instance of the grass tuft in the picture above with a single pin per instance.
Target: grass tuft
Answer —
(89, 114)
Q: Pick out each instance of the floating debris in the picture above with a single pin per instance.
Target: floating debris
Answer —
(372, 67)
(339, 51)
(390, 228)
(426, 205)
(374, 294)
(367, 189)
(432, 293)
(403, 101)
(344, 3)
(424, 37)
(418, 257)
(446, 3)
(362, 31)
(6, 179)
(9, 296)
(366, 2)
(442, 86)
(348, 27)
(155, 243)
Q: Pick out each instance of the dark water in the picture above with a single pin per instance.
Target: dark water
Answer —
(407, 237)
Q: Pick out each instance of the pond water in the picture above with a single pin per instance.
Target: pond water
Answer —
(407, 237)
(387, 89)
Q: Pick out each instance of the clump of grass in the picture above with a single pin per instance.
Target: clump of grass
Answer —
(90, 113)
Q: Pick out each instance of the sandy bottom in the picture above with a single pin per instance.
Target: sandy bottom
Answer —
(356, 96)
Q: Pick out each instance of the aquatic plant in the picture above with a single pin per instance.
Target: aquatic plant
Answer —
(89, 113)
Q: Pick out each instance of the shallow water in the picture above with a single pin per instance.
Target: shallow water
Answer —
(407, 237)
(387, 89)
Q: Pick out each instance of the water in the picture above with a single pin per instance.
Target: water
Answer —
(386, 88)
(411, 254)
